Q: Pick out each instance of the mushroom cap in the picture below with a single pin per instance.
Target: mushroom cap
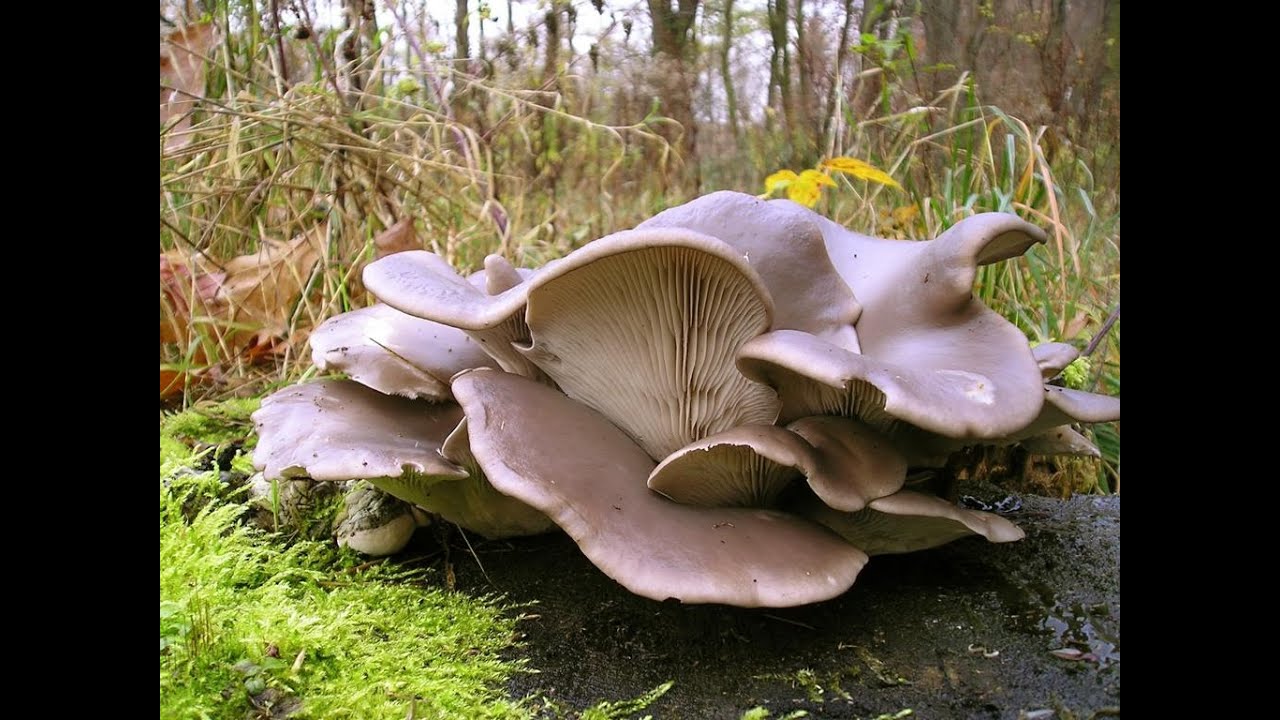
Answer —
(1062, 440)
(339, 430)
(641, 325)
(1054, 357)
(588, 476)
(746, 466)
(813, 377)
(498, 275)
(846, 463)
(932, 355)
(785, 246)
(394, 353)
(425, 285)
(854, 464)
(908, 521)
(1066, 405)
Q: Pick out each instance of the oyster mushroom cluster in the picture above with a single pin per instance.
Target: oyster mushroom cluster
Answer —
(722, 405)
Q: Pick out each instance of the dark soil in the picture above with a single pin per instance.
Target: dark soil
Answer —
(963, 631)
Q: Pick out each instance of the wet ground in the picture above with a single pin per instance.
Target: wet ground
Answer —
(971, 630)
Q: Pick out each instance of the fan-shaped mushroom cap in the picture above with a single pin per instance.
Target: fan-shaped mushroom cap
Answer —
(908, 521)
(425, 285)
(641, 325)
(339, 430)
(785, 246)
(846, 463)
(394, 353)
(746, 466)
(1061, 440)
(933, 356)
(1062, 407)
(1054, 357)
(588, 476)
(855, 464)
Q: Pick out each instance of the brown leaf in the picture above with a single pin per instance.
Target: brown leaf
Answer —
(248, 302)
(172, 382)
(397, 238)
(1075, 326)
(182, 63)
(186, 281)
(259, 289)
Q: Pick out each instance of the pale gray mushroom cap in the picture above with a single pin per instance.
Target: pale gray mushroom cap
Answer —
(1054, 357)
(746, 466)
(846, 464)
(642, 326)
(932, 355)
(394, 353)
(588, 476)
(645, 329)
(854, 464)
(785, 246)
(339, 430)
(1062, 440)
(908, 521)
(425, 285)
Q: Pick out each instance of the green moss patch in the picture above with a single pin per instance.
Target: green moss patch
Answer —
(251, 626)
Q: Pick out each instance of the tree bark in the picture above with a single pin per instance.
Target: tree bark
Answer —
(731, 96)
(673, 50)
(780, 63)
(802, 132)
(462, 30)
(832, 108)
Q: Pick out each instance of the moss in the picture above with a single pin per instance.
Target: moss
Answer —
(212, 423)
(245, 622)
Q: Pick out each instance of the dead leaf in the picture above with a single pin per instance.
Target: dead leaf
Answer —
(186, 282)
(246, 304)
(259, 289)
(1074, 655)
(172, 382)
(400, 237)
(1075, 326)
(182, 63)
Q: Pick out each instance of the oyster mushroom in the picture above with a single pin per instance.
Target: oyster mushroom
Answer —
(846, 463)
(785, 246)
(588, 476)
(932, 356)
(394, 353)
(338, 430)
(642, 326)
(908, 521)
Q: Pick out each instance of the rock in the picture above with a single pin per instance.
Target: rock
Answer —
(375, 523)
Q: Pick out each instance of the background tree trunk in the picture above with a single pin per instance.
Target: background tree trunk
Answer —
(731, 96)
(780, 66)
(831, 110)
(674, 52)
